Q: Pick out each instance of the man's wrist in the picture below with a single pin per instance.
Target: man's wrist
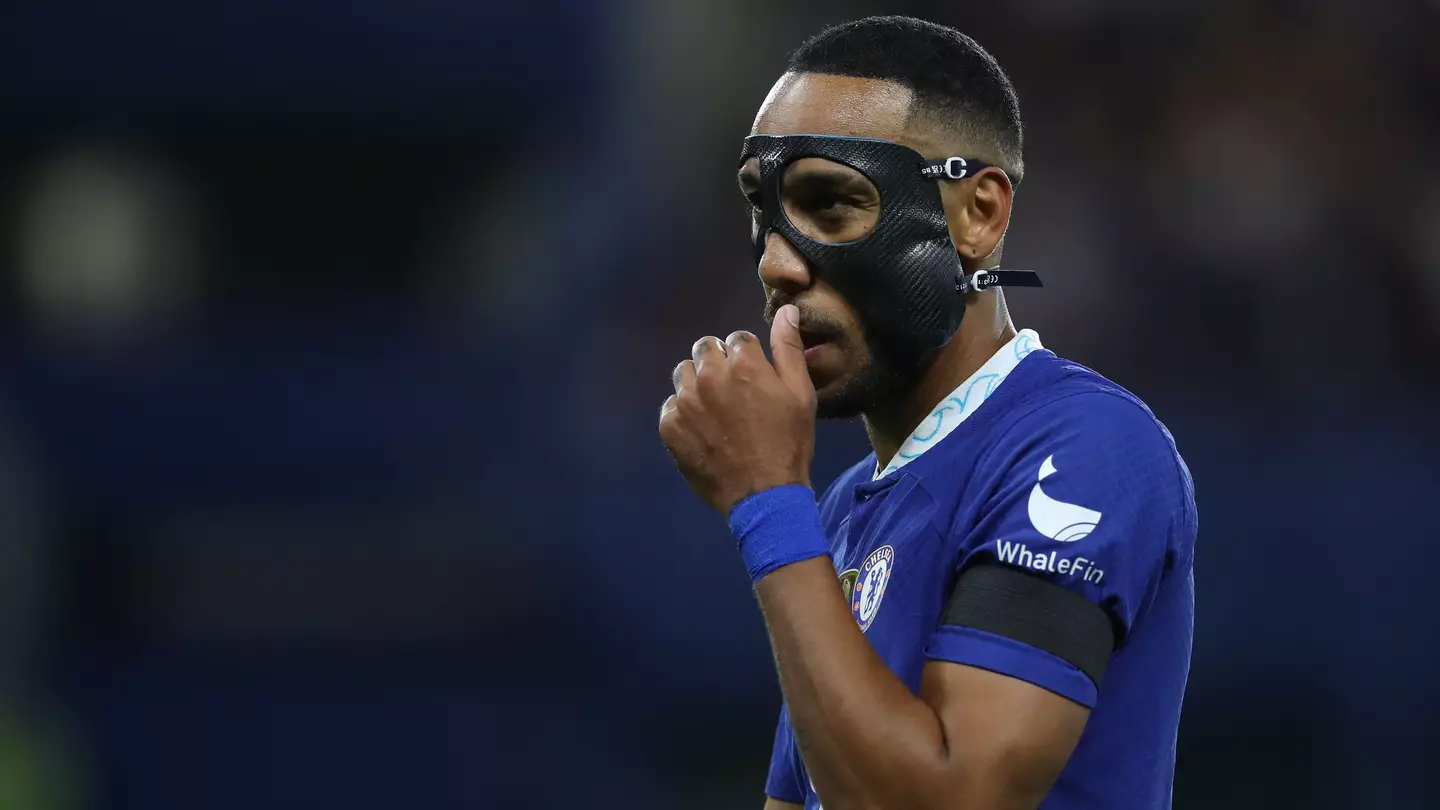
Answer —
(777, 527)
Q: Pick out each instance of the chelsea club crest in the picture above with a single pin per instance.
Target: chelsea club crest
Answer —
(870, 583)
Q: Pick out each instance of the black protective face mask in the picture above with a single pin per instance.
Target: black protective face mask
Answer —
(904, 277)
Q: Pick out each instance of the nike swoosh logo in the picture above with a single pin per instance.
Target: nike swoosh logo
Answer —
(1057, 520)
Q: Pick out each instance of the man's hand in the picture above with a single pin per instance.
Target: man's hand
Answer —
(735, 425)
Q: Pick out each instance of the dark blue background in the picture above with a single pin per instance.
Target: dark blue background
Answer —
(381, 519)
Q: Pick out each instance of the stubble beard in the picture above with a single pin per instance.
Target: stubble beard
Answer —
(885, 380)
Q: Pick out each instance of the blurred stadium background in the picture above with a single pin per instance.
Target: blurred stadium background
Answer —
(334, 334)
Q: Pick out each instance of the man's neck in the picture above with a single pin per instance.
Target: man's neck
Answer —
(984, 330)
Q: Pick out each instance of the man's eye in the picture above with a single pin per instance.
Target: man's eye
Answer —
(831, 204)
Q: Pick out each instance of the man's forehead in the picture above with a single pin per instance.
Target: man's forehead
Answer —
(821, 104)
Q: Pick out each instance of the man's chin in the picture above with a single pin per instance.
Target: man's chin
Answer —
(842, 399)
(837, 409)
(851, 395)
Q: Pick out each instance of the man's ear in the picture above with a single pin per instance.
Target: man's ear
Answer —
(978, 212)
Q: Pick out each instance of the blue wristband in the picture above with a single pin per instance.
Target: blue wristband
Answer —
(778, 527)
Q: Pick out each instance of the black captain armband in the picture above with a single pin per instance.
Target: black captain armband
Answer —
(1022, 607)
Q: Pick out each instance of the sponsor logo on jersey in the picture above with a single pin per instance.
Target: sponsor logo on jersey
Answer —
(1021, 555)
(870, 583)
(1057, 520)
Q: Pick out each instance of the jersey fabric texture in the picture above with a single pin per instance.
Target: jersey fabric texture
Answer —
(1049, 467)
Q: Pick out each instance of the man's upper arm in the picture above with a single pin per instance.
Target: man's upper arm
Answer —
(776, 804)
(1007, 739)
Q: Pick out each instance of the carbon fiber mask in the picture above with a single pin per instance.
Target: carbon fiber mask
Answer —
(904, 276)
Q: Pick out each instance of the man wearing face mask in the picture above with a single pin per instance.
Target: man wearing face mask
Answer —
(1012, 619)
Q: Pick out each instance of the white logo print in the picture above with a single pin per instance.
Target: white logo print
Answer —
(1057, 520)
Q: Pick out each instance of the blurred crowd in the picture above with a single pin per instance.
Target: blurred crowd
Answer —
(335, 335)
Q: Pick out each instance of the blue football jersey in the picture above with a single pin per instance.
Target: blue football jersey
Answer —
(1041, 464)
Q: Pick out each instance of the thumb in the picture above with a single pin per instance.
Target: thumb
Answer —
(789, 353)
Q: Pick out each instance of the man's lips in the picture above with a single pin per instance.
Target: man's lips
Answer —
(814, 342)
(812, 339)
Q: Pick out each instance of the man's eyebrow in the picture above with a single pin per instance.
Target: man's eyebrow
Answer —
(829, 178)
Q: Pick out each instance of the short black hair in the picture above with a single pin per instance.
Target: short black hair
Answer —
(951, 75)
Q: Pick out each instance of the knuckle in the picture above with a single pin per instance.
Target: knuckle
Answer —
(740, 338)
(706, 383)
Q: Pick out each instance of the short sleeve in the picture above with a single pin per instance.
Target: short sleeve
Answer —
(786, 782)
(1088, 494)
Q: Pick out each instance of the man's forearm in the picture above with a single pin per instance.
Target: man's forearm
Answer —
(866, 739)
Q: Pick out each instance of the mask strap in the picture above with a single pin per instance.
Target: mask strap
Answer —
(956, 168)
(982, 280)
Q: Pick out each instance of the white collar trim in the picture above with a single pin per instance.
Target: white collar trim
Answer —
(963, 401)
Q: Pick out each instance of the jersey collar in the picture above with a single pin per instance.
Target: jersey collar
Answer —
(963, 401)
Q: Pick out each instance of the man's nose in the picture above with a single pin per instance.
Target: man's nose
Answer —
(782, 268)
